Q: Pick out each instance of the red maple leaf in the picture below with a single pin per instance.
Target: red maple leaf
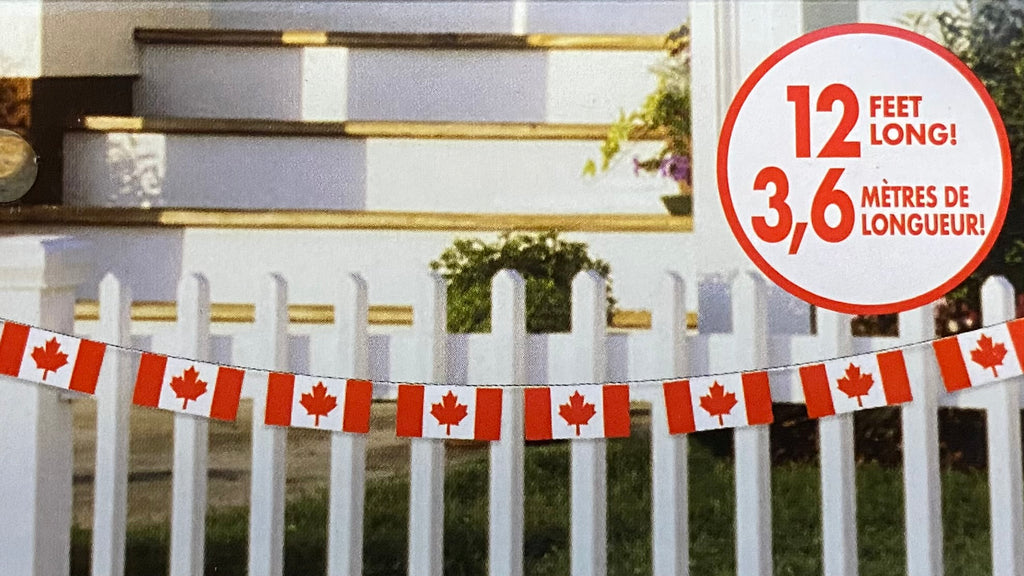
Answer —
(319, 403)
(576, 412)
(448, 412)
(717, 402)
(854, 384)
(49, 358)
(989, 355)
(188, 386)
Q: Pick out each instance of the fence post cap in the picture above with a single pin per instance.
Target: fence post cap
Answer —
(43, 261)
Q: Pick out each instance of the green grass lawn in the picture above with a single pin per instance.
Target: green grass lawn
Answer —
(796, 520)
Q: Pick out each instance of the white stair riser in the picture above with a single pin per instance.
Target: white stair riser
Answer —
(150, 261)
(265, 172)
(518, 16)
(336, 83)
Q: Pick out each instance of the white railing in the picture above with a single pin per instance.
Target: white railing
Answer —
(508, 355)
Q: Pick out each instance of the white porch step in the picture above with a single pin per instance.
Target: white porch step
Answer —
(430, 167)
(334, 76)
(149, 249)
(494, 16)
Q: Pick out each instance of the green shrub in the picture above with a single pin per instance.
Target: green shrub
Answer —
(547, 263)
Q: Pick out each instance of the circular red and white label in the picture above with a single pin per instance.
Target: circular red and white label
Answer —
(864, 169)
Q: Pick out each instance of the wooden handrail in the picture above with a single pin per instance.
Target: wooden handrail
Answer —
(445, 41)
(340, 220)
(363, 129)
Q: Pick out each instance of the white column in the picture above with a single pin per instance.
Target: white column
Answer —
(38, 275)
(268, 350)
(348, 451)
(113, 404)
(729, 39)
(1002, 412)
(426, 475)
(191, 438)
(588, 532)
(508, 343)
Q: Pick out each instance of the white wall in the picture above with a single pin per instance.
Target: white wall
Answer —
(83, 38)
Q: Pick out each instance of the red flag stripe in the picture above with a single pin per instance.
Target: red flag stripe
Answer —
(226, 393)
(895, 383)
(679, 407)
(1016, 329)
(280, 391)
(88, 362)
(817, 395)
(12, 347)
(757, 397)
(537, 402)
(149, 380)
(616, 411)
(409, 420)
(358, 397)
(951, 364)
(488, 414)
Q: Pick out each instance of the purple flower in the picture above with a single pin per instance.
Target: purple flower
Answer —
(676, 167)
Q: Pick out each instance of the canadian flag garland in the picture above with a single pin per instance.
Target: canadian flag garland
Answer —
(725, 401)
(49, 358)
(580, 411)
(981, 356)
(588, 411)
(463, 412)
(855, 383)
(188, 386)
(321, 403)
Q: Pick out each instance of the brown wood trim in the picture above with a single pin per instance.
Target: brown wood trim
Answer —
(443, 41)
(341, 220)
(352, 128)
(380, 315)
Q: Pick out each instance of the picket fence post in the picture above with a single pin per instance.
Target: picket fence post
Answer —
(669, 470)
(113, 404)
(752, 449)
(38, 275)
(922, 489)
(589, 506)
(508, 344)
(1002, 412)
(836, 453)
(269, 351)
(348, 451)
(426, 476)
(191, 437)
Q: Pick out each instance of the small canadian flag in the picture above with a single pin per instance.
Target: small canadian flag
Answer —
(463, 412)
(589, 411)
(855, 383)
(48, 358)
(188, 386)
(321, 403)
(713, 402)
(981, 356)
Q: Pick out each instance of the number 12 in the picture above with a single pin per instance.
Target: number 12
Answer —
(837, 146)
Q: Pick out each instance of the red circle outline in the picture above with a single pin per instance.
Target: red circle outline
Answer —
(723, 163)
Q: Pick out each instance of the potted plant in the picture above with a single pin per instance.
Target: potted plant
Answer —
(666, 114)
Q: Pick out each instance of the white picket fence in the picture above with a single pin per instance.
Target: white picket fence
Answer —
(35, 426)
